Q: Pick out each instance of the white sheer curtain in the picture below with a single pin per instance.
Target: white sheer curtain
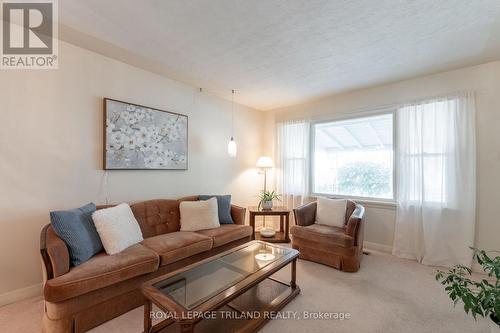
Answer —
(293, 162)
(436, 180)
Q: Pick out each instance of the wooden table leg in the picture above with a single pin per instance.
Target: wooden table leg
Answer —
(287, 227)
(147, 316)
(252, 224)
(293, 282)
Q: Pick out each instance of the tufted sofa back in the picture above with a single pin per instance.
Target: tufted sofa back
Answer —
(157, 217)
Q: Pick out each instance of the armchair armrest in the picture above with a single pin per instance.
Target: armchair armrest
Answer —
(305, 215)
(238, 214)
(355, 221)
(54, 252)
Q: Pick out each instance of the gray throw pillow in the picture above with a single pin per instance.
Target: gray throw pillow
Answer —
(223, 206)
(77, 230)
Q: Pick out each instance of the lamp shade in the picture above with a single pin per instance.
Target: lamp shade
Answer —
(265, 162)
(232, 148)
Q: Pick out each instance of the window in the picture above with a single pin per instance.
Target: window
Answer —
(293, 143)
(354, 157)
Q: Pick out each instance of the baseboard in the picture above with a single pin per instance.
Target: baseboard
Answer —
(377, 247)
(20, 294)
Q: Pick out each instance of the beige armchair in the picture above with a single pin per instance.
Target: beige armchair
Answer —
(341, 248)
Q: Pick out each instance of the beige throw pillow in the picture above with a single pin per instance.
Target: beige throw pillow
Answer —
(117, 228)
(331, 211)
(199, 215)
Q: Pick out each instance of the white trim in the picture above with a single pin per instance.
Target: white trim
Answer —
(20, 294)
(377, 247)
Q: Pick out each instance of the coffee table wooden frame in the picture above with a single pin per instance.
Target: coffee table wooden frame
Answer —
(165, 303)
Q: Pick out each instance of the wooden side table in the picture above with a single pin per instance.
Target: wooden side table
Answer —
(283, 235)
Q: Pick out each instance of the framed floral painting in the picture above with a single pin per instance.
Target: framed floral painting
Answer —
(137, 137)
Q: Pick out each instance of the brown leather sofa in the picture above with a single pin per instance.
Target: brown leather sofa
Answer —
(106, 286)
(341, 248)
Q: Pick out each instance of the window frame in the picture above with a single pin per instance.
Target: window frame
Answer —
(312, 132)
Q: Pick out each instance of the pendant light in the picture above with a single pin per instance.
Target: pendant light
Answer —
(232, 149)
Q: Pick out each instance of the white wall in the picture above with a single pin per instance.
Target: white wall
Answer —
(485, 81)
(51, 149)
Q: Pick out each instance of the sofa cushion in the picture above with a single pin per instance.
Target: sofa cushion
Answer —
(76, 228)
(223, 207)
(117, 228)
(227, 233)
(178, 245)
(199, 215)
(100, 271)
(321, 233)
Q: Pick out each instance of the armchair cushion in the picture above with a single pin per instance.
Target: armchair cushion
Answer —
(321, 233)
(331, 212)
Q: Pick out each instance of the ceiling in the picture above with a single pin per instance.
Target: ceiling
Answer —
(279, 53)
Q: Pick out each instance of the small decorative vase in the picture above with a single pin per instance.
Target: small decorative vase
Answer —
(267, 205)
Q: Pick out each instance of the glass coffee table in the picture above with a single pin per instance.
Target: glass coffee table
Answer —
(231, 292)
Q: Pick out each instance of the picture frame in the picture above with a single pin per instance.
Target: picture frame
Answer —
(138, 137)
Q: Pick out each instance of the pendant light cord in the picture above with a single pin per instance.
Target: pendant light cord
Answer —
(232, 114)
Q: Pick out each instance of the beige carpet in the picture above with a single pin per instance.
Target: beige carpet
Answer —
(387, 295)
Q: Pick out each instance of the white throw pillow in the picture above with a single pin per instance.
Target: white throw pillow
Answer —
(331, 211)
(117, 228)
(199, 215)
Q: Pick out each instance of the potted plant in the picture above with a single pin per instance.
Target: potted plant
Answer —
(266, 199)
(479, 297)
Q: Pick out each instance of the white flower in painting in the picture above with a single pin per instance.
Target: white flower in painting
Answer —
(132, 120)
(140, 114)
(154, 133)
(157, 148)
(130, 143)
(169, 154)
(182, 159)
(144, 134)
(144, 146)
(150, 162)
(163, 131)
(130, 107)
(125, 116)
(127, 131)
(112, 147)
(117, 139)
(110, 126)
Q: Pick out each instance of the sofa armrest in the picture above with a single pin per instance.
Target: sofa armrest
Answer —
(305, 215)
(238, 214)
(54, 252)
(355, 220)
